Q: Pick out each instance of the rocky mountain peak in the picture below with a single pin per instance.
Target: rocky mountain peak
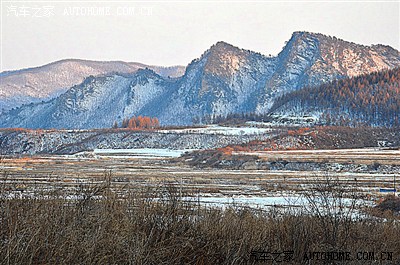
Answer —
(222, 46)
(224, 80)
(334, 56)
(224, 59)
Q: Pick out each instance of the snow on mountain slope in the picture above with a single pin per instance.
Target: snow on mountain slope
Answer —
(224, 80)
(95, 103)
(49, 81)
(310, 59)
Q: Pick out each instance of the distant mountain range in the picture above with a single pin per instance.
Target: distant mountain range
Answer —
(224, 80)
(50, 80)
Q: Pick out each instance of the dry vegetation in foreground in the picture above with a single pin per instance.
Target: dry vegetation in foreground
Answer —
(387, 207)
(101, 227)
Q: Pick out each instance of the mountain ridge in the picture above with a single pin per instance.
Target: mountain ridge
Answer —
(224, 79)
(50, 80)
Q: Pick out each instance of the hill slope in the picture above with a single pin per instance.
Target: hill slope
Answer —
(48, 81)
(372, 99)
(224, 80)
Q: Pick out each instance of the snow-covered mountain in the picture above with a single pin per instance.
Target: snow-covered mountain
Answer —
(310, 59)
(225, 79)
(94, 103)
(48, 81)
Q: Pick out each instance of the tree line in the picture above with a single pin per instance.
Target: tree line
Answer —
(372, 99)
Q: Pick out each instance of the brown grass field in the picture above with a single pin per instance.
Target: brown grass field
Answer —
(124, 210)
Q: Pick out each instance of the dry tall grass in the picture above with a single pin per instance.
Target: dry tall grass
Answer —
(99, 226)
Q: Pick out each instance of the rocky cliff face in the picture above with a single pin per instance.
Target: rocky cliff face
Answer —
(225, 79)
(310, 59)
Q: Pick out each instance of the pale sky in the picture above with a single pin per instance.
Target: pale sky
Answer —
(166, 33)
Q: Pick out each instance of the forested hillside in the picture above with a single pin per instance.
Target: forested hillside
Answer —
(372, 99)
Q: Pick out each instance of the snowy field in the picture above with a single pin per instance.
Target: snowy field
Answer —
(298, 204)
(140, 152)
(222, 130)
(288, 119)
(249, 201)
(152, 168)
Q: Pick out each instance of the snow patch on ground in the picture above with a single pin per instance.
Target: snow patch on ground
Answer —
(140, 152)
(289, 119)
(221, 130)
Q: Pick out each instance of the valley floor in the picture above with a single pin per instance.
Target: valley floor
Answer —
(362, 172)
(144, 207)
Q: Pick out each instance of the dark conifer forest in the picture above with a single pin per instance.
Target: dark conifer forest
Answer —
(372, 99)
